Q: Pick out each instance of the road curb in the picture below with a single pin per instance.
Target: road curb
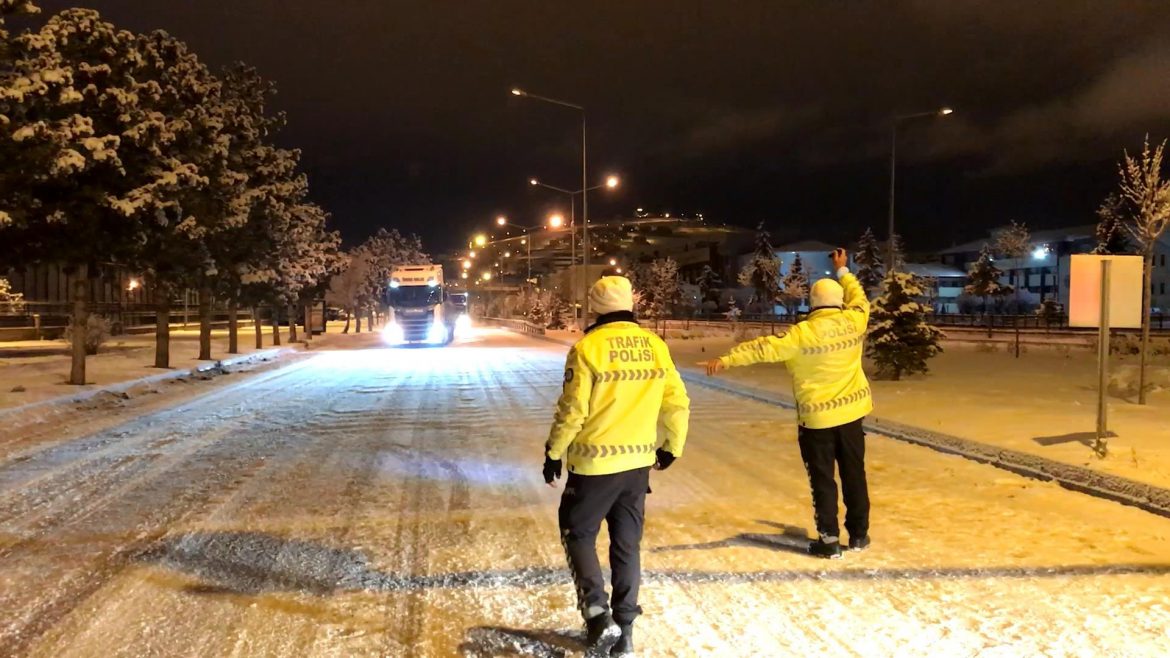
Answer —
(121, 387)
(1147, 497)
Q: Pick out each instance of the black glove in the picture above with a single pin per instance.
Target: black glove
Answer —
(552, 469)
(664, 459)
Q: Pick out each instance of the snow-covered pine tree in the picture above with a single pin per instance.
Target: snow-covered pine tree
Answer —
(79, 141)
(794, 286)
(538, 312)
(559, 313)
(659, 288)
(869, 262)
(983, 280)
(900, 340)
(709, 280)
(1112, 237)
(762, 273)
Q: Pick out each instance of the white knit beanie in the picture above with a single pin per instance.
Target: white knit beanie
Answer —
(827, 293)
(611, 294)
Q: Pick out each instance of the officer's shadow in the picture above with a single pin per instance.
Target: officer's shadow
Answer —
(792, 539)
(491, 641)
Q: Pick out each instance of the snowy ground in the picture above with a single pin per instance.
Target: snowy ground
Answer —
(1044, 403)
(372, 502)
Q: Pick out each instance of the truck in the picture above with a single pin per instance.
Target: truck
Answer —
(420, 311)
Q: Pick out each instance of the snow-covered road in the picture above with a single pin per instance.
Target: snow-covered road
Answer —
(372, 502)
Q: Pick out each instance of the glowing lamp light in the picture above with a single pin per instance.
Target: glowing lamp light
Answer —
(471, 253)
(480, 240)
(613, 261)
(465, 275)
(1039, 253)
(487, 276)
(533, 181)
(612, 182)
(556, 221)
(517, 92)
(946, 110)
(133, 284)
(462, 324)
(467, 264)
(501, 220)
(395, 283)
(507, 254)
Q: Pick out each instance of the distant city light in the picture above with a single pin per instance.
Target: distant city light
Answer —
(487, 276)
(467, 264)
(471, 253)
(613, 261)
(507, 254)
(465, 275)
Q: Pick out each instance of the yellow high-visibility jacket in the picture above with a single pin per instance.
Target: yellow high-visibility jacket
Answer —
(823, 354)
(619, 383)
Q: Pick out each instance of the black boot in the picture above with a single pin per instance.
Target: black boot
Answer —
(600, 634)
(625, 645)
(858, 543)
(825, 549)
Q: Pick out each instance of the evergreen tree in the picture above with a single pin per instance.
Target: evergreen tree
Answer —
(538, 313)
(900, 338)
(1111, 233)
(708, 282)
(762, 274)
(869, 262)
(660, 288)
(983, 280)
(899, 251)
(559, 314)
(795, 284)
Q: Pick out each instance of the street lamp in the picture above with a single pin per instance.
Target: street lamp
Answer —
(480, 240)
(487, 276)
(941, 112)
(611, 182)
(516, 91)
(556, 221)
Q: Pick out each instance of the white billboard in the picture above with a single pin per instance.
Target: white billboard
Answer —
(1125, 291)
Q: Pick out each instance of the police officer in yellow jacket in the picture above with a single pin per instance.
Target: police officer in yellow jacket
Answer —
(823, 354)
(620, 384)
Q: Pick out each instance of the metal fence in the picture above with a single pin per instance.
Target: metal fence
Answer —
(48, 320)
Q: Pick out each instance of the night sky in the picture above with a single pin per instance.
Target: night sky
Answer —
(743, 111)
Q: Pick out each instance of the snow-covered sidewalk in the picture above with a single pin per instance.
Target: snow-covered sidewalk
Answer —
(1043, 403)
(36, 371)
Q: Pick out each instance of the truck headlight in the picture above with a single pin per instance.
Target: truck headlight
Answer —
(437, 333)
(462, 324)
(393, 334)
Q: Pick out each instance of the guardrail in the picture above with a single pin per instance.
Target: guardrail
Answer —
(522, 326)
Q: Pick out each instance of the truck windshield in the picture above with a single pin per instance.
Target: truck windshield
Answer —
(415, 296)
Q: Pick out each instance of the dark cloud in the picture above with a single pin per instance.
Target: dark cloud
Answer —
(744, 109)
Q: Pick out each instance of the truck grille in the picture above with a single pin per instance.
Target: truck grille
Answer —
(414, 325)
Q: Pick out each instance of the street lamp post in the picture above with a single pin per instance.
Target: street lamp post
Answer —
(584, 171)
(610, 182)
(893, 170)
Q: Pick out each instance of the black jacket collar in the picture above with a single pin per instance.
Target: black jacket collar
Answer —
(610, 318)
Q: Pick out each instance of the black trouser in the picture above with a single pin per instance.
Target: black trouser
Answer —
(620, 499)
(844, 445)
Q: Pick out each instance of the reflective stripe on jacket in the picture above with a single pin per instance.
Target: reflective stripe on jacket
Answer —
(823, 353)
(619, 383)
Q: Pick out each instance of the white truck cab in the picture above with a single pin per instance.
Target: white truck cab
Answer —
(419, 312)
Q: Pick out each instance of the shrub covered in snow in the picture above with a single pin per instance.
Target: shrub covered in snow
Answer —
(11, 302)
(97, 331)
(900, 338)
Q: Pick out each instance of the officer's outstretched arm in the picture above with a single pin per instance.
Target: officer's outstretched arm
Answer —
(768, 349)
(573, 407)
(855, 299)
(675, 415)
